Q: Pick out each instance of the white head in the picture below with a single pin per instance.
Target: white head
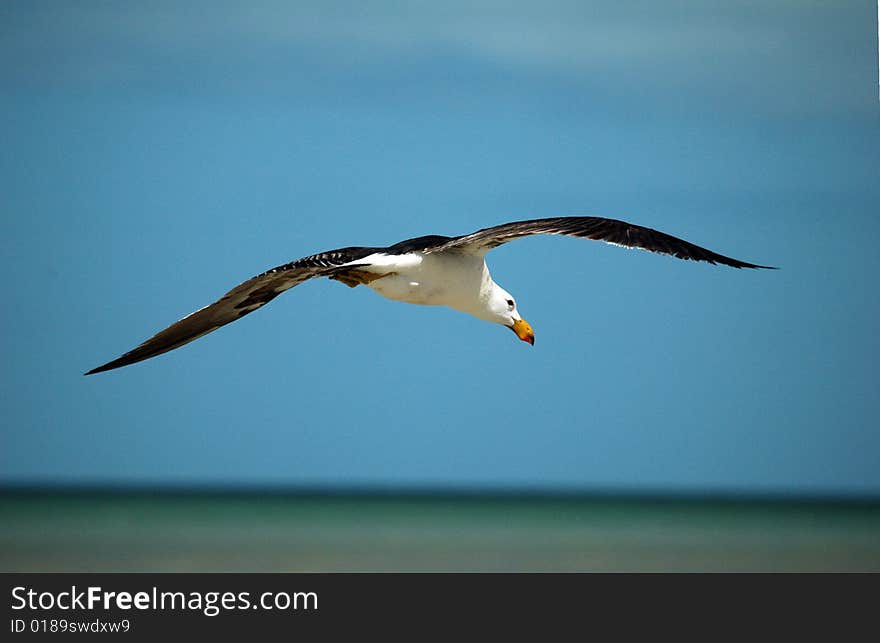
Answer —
(501, 309)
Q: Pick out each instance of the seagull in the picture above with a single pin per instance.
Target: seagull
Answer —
(433, 270)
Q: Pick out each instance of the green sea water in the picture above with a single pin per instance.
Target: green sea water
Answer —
(272, 532)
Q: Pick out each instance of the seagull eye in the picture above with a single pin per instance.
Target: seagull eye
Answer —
(511, 304)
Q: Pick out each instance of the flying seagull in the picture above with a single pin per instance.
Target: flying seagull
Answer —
(432, 271)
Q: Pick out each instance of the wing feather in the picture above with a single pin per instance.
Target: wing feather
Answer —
(611, 231)
(238, 302)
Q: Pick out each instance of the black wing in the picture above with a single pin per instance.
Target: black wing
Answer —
(238, 302)
(613, 231)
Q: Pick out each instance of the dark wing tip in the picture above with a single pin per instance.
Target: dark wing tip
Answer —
(100, 369)
(751, 266)
(139, 354)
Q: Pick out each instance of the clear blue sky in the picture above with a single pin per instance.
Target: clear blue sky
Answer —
(157, 153)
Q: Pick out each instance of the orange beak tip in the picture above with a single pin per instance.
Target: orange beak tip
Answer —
(524, 331)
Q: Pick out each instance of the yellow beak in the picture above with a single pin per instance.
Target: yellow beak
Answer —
(524, 331)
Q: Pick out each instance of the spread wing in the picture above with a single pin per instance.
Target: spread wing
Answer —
(611, 231)
(245, 298)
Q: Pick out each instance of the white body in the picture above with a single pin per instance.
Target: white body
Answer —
(459, 280)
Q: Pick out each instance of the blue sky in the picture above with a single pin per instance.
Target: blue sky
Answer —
(156, 154)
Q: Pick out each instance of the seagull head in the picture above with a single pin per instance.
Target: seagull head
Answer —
(502, 308)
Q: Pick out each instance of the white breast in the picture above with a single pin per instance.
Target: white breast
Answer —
(457, 280)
